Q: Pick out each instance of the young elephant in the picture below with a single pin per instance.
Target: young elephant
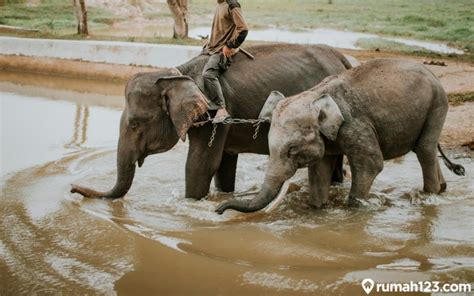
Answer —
(380, 110)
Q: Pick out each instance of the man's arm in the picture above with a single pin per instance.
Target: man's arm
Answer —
(241, 27)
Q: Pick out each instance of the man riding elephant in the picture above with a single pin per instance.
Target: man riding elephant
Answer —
(161, 107)
(228, 33)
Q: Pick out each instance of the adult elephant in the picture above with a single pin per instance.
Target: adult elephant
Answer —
(161, 107)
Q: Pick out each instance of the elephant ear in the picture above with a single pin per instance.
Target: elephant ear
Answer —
(270, 104)
(329, 116)
(183, 100)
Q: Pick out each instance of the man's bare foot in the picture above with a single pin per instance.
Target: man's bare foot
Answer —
(221, 115)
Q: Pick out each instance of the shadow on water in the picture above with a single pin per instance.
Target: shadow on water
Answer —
(155, 241)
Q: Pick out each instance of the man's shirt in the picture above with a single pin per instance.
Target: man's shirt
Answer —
(228, 27)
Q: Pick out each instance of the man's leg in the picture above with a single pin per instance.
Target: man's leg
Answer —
(213, 87)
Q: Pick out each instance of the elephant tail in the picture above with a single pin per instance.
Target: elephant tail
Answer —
(453, 167)
(342, 58)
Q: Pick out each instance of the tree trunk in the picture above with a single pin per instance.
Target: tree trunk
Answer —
(179, 8)
(80, 12)
(85, 28)
(77, 15)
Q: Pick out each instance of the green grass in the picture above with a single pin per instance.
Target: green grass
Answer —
(390, 46)
(459, 98)
(439, 20)
(52, 16)
(383, 44)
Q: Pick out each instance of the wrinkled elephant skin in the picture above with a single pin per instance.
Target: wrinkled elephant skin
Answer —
(375, 112)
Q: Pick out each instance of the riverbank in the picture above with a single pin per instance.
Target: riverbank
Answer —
(152, 20)
(118, 61)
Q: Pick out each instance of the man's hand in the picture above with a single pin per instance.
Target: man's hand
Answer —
(227, 51)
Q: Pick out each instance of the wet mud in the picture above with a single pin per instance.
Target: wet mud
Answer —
(154, 241)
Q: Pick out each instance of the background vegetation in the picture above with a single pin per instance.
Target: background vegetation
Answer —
(439, 20)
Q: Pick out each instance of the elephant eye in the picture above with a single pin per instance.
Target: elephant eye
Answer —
(133, 125)
(293, 150)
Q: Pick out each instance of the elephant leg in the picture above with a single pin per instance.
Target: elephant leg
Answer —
(441, 179)
(365, 169)
(430, 168)
(319, 176)
(426, 152)
(225, 176)
(365, 158)
(203, 161)
(338, 173)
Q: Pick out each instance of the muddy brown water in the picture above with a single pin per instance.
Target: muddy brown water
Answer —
(57, 131)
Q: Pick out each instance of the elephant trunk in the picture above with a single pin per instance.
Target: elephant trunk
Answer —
(267, 194)
(122, 185)
(125, 172)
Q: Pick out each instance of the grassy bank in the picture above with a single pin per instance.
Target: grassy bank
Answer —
(439, 20)
(459, 98)
(52, 17)
(448, 21)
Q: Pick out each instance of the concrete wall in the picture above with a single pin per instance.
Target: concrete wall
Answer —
(111, 60)
(123, 53)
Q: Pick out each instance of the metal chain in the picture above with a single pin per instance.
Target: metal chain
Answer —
(231, 121)
(213, 136)
(257, 129)
(242, 121)
(255, 122)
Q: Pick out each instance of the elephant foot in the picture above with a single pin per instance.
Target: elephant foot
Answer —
(353, 202)
(317, 204)
(443, 187)
(224, 190)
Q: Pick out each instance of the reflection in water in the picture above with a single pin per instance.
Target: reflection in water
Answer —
(87, 92)
(36, 130)
(80, 126)
(156, 242)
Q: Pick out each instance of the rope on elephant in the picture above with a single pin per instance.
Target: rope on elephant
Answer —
(255, 122)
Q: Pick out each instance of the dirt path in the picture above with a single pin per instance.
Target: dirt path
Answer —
(459, 126)
(456, 77)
